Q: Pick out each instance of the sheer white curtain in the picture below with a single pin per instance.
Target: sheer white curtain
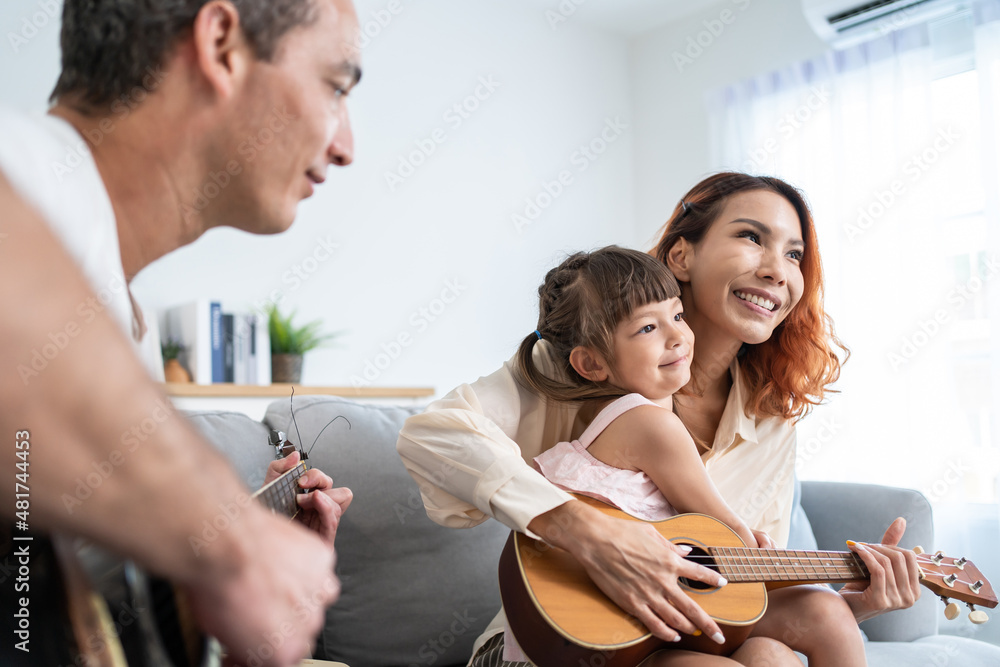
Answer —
(896, 144)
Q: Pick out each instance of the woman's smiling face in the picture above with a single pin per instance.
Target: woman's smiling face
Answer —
(743, 276)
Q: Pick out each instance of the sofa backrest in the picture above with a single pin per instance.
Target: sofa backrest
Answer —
(862, 512)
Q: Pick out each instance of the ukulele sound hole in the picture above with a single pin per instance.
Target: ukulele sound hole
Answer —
(702, 557)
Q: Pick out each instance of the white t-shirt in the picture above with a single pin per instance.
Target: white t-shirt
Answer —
(50, 165)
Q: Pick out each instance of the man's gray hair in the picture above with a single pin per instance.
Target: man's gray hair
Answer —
(109, 47)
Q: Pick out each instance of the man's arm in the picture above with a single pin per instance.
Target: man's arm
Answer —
(76, 387)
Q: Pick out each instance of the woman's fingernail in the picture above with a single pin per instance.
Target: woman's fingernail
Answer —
(696, 633)
(677, 638)
(851, 543)
(718, 638)
(684, 549)
(722, 581)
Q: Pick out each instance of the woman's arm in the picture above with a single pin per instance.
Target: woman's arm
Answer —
(462, 454)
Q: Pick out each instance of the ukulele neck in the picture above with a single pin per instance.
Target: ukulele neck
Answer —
(743, 565)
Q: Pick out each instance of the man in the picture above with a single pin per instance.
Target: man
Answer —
(151, 108)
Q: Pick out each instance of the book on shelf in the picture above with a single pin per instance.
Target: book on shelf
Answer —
(220, 345)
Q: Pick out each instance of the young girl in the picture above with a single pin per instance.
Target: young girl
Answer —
(615, 324)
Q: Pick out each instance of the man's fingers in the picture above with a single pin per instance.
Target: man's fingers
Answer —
(342, 496)
(278, 467)
(315, 479)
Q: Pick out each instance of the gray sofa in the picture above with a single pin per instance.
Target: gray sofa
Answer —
(416, 594)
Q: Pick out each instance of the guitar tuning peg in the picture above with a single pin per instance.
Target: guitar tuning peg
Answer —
(976, 586)
(938, 557)
(950, 609)
(960, 563)
(977, 616)
(918, 550)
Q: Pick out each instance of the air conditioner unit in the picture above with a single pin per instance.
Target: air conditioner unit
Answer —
(843, 23)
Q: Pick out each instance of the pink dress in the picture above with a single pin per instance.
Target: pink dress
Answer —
(572, 468)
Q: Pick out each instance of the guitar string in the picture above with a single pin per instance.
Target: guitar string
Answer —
(739, 563)
(280, 497)
(736, 561)
(770, 554)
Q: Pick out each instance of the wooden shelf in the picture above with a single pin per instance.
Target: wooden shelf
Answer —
(227, 390)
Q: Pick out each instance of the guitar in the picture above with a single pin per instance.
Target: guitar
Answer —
(560, 617)
(98, 610)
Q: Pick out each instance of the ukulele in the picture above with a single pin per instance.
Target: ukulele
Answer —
(560, 617)
(98, 610)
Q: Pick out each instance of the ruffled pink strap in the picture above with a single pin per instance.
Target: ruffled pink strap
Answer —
(612, 412)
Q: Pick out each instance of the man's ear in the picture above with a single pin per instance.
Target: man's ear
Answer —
(222, 52)
(679, 260)
(589, 363)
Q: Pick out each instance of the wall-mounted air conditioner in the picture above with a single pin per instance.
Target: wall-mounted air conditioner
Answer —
(843, 23)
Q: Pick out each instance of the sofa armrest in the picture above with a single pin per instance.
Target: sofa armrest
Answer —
(861, 512)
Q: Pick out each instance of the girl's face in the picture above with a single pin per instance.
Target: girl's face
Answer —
(653, 349)
(743, 277)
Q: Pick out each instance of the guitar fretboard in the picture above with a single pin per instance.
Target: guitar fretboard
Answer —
(279, 495)
(742, 565)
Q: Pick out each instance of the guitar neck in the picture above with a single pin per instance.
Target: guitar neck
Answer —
(743, 565)
(279, 495)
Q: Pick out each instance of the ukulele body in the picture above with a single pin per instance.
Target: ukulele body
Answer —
(560, 617)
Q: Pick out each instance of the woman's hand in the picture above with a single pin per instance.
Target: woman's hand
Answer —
(895, 576)
(764, 540)
(634, 565)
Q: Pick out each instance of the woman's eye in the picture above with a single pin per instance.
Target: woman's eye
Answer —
(679, 317)
(648, 328)
(747, 234)
(796, 255)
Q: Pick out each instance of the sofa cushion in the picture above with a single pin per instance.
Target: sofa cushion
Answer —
(414, 592)
(242, 440)
(932, 650)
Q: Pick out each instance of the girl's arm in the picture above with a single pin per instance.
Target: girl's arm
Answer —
(655, 441)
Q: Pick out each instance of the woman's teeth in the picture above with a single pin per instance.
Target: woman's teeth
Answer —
(756, 300)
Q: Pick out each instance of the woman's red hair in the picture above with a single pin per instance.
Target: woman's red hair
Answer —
(790, 372)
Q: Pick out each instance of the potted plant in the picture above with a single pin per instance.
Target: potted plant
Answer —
(173, 371)
(290, 342)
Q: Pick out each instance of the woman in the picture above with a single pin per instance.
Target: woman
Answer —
(744, 250)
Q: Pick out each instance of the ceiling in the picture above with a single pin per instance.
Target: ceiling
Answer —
(629, 17)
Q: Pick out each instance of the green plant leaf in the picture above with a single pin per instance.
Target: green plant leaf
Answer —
(286, 338)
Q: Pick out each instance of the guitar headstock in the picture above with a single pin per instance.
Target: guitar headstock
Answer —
(958, 579)
(282, 445)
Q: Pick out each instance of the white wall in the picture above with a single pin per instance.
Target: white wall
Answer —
(673, 67)
(449, 221)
